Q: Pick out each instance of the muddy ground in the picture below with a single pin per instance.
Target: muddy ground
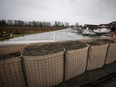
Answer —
(45, 49)
(11, 55)
(71, 45)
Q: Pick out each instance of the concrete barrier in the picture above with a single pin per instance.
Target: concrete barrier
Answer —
(45, 70)
(75, 62)
(11, 73)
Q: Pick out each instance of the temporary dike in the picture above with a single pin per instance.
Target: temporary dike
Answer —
(11, 74)
(111, 54)
(75, 58)
(102, 51)
(96, 55)
(50, 64)
(44, 65)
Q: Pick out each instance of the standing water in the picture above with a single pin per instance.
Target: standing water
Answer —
(59, 35)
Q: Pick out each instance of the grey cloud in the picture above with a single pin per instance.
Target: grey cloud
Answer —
(82, 11)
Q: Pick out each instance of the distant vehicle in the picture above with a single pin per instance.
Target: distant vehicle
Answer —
(74, 28)
(88, 32)
(102, 31)
(80, 30)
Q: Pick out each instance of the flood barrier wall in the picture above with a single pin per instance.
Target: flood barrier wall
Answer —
(50, 70)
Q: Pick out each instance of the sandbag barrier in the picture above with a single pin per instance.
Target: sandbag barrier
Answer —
(11, 74)
(44, 71)
(54, 68)
(75, 58)
(96, 56)
(44, 68)
(102, 51)
(75, 62)
(111, 54)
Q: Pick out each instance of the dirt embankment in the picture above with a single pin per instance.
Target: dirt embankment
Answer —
(11, 55)
(71, 45)
(47, 48)
(100, 42)
(44, 49)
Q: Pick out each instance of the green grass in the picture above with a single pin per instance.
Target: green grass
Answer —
(5, 36)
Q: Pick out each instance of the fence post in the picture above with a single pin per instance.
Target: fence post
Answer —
(87, 57)
(64, 67)
(24, 72)
(106, 53)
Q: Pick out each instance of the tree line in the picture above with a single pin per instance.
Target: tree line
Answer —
(20, 23)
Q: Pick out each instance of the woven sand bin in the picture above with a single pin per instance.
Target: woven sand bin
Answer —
(97, 54)
(11, 71)
(75, 58)
(44, 64)
(111, 54)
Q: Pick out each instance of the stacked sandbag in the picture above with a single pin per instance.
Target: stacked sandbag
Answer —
(11, 74)
(111, 53)
(44, 64)
(75, 58)
(97, 54)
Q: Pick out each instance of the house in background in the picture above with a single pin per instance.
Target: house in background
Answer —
(109, 25)
(91, 26)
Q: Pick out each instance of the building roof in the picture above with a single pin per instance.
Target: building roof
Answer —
(113, 23)
(92, 26)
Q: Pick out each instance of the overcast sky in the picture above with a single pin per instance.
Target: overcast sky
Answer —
(81, 11)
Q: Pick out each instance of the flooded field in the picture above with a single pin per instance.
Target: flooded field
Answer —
(59, 35)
